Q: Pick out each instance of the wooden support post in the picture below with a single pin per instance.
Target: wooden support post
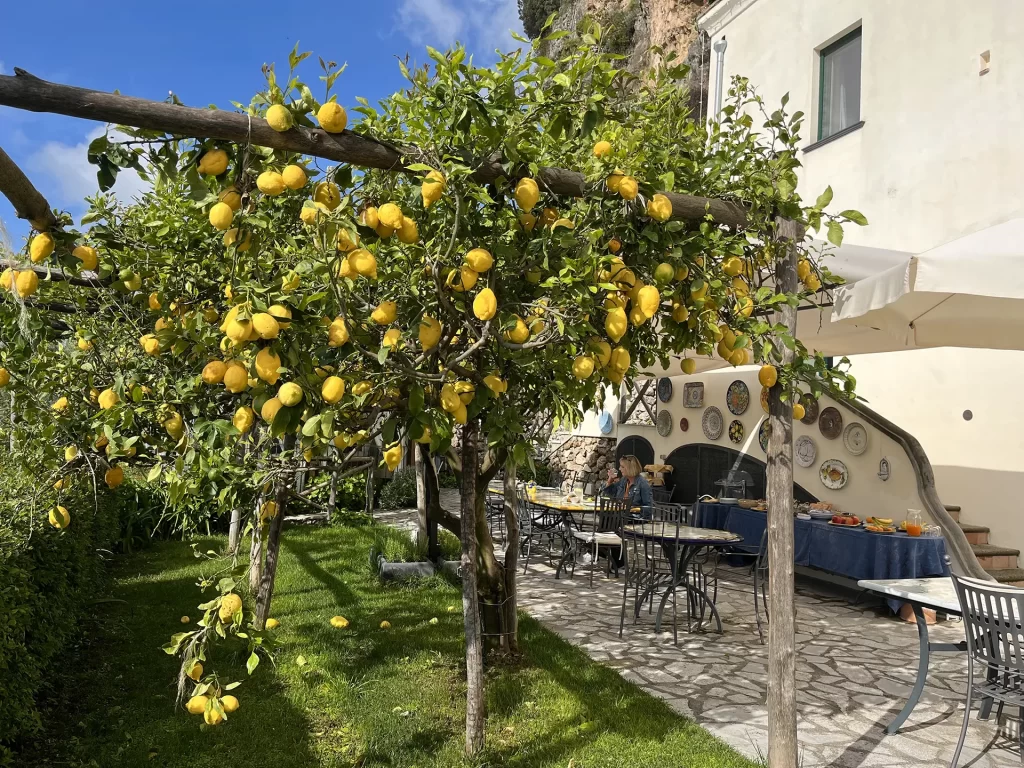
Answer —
(476, 714)
(332, 499)
(782, 741)
(266, 592)
(233, 530)
(511, 618)
(25, 91)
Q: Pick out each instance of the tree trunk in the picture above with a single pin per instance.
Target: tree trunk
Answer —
(511, 560)
(475, 712)
(332, 499)
(369, 481)
(782, 741)
(266, 592)
(233, 531)
(421, 495)
(256, 551)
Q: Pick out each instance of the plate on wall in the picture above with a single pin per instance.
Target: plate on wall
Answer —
(833, 474)
(811, 409)
(764, 399)
(737, 398)
(664, 423)
(664, 389)
(684, 424)
(831, 423)
(855, 438)
(712, 423)
(605, 423)
(693, 394)
(736, 431)
(805, 451)
(763, 432)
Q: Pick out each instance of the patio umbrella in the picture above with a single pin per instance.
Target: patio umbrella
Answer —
(966, 293)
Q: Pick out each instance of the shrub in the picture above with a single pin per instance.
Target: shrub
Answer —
(47, 579)
(535, 12)
(400, 493)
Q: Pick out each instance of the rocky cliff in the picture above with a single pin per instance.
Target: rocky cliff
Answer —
(632, 28)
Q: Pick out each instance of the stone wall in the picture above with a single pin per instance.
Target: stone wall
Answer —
(589, 455)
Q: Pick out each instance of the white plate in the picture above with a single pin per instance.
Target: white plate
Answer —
(805, 450)
(830, 465)
(855, 438)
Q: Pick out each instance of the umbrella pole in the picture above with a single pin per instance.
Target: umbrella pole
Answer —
(782, 741)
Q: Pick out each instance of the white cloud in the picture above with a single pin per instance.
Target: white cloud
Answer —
(481, 25)
(65, 176)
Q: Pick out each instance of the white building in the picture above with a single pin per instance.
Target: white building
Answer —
(914, 118)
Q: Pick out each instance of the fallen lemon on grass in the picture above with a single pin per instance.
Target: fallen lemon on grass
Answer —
(185, 619)
(272, 624)
(385, 624)
(339, 622)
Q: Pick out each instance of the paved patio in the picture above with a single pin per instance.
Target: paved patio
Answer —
(855, 668)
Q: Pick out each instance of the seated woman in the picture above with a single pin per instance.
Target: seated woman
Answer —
(632, 486)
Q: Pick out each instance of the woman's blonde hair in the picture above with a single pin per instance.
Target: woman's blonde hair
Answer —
(630, 466)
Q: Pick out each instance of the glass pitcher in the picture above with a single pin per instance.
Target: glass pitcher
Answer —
(915, 523)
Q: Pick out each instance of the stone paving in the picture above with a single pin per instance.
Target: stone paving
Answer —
(855, 668)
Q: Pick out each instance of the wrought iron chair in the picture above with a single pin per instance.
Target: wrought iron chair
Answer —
(994, 624)
(538, 525)
(495, 503)
(594, 529)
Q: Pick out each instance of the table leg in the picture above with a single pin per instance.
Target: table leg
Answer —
(680, 578)
(922, 673)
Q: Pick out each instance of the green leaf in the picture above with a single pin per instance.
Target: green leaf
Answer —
(252, 662)
(824, 198)
(415, 399)
(835, 233)
(786, 187)
(855, 216)
(310, 427)
(300, 660)
(562, 79)
(419, 167)
(154, 473)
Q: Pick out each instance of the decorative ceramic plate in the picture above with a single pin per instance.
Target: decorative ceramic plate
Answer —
(693, 394)
(605, 423)
(833, 474)
(855, 438)
(764, 398)
(763, 432)
(684, 424)
(736, 431)
(737, 397)
(830, 423)
(712, 423)
(811, 409)
(664, 389)
(664, 422)
(805, 451)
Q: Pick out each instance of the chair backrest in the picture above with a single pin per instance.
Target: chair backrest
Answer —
(611, 514)
(661, 495)
(665, 512)
(994, 624)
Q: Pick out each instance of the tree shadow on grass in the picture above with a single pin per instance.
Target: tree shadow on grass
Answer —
(115, 704)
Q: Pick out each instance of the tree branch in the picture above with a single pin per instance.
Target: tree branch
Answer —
(27, 201)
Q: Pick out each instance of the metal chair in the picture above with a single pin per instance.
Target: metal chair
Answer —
(994, 624)
(601, 527)
(537, 525)
(495, 512)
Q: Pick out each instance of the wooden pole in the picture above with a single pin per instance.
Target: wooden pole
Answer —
(782, 742)
(422, 499)
(266, 592)
(511, 618)
(233, 530)
(476, 713)
(25, 91)
(27, 201)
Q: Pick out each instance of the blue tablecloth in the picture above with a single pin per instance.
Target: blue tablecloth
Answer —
(851, 552)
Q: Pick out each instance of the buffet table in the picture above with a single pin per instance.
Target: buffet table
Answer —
(851, 552)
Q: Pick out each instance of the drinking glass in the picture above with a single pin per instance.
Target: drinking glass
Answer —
(915, 523)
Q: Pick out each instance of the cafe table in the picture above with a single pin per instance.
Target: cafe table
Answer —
(689, 541)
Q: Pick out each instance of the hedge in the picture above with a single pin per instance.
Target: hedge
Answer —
(47, 580)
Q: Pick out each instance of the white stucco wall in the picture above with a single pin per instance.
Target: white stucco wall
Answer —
(864, 494)
(939, 156)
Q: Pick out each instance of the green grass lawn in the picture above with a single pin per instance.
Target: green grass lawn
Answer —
(366, 696)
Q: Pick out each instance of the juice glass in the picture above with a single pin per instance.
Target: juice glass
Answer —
(915, 523)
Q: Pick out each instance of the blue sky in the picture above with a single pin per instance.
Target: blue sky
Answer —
(210, 53)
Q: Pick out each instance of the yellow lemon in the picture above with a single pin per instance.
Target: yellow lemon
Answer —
(362, 388)
(698, 289)
(392, 338)
(803, 269)
(84, 344)
(682, 272)
(364, 263)
(268, 511)
(450, 399)
(628, 188)
(175, 426)
(519, 333)
(429, 332)
(393, 456)
(461, 415)
(213, 372)
(337, 332)
(41, 247)
(5, 377)
(583, 367)
(768, 375)
(527, 221)
(333, 389)
(60, 518)
(114, 476)
(214, 162)
(26, 283)
(620, 360)
(664, 273)
(231, 238)
(812, 283)
(649, 299)
(798, 411)
(88, 256)
(231, 197)
(213, 717)
(408, 233)
(659, 207)
(327, 194)
(197, 671)
(267, 365)
(60, 405)
(615, 324)
(290, 281)
(220, 216)
(602, 148)
(465, 390)
(270, 409)
(229, 703)
(243, 419)
(266, 326)
(744, 306)
(688, 365)
(230, 604)
(290, 394)
(462, 279)
(385, 624)
(527, 194)
(385, 313)
(108, 399)
(294, 176)
(197, 705)
(479, 259)
(339, 622)
(565, 223)
(614, 180)
(602, 350)
(270, 183)
(432, 188)
(485, 304)
(236, 377)
(494, 383)
(390, 215)
(547, 217)
(332, 117)
(282, 314)
(637, 316)
(279, 118)
(272, 624)
(70, 453)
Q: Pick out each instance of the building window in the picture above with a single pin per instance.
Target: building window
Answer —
(839, 94)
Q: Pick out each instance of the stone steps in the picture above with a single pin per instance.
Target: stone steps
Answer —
(976, 534)
(1000, 562)
(1013, 577)
(993, 558)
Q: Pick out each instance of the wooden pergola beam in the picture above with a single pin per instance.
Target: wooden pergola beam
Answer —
(25, 91)
(28, 203)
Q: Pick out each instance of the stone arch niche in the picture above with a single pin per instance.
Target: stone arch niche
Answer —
(634, 445)
(696, 468)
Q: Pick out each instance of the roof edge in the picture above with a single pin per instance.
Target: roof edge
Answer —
(716, 18)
